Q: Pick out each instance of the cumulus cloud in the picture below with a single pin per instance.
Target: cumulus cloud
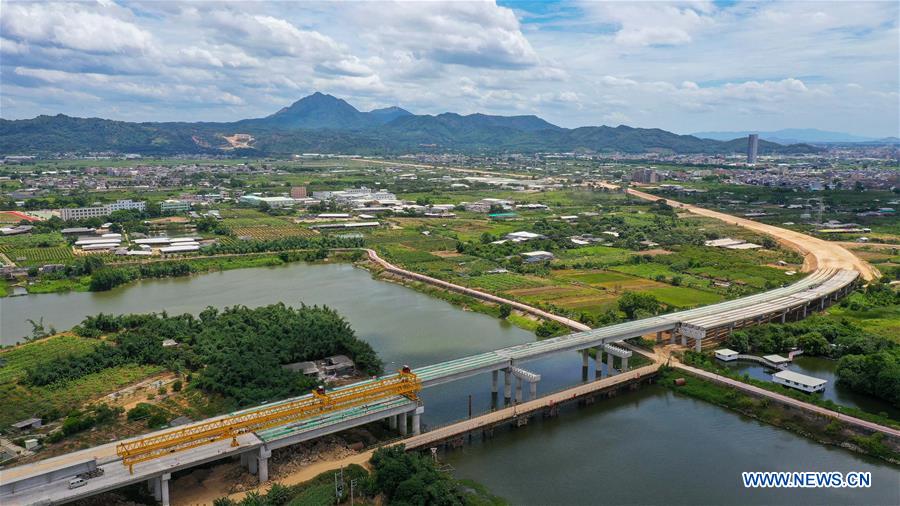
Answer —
(680, 65)
(475, 34)
(268, 35)
(73, 26)
(640, 24)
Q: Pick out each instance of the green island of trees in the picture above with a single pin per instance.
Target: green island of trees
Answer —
(236, 353)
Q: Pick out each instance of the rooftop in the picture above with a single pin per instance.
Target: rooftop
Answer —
(800, 378)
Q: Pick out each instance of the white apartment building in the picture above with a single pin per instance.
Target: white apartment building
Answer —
(80, 213)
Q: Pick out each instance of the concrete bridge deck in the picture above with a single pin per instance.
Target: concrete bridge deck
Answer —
(439, 434)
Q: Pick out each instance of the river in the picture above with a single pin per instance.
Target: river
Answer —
(822, 368)
(648, 446)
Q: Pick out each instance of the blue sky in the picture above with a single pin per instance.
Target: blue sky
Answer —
(683, 66)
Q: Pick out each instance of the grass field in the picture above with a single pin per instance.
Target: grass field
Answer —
(884, 321)
(18, 401)
(19, 358)
(29, 257)
(594, 255)
(79, 284)
(504, 282)
(272, 231)
(683, 297)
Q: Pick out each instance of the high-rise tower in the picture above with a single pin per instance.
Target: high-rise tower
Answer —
(752, 147)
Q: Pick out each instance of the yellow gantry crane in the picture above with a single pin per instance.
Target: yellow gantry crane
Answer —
(159, 444)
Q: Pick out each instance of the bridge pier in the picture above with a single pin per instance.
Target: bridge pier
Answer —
(624, 364)
(518, 390)
(159, 487)
(672, 336)
(253, 464)
(533, 386)
(392, 422)
(683, 340)
(507, 386)
(263, 464)
(659, 337)
(585, 359)
(401, 421)
(417, 421)
(598, 362)
(698, 344)
(494, 389)
(164, 488)
(155, 486)
(610, 371)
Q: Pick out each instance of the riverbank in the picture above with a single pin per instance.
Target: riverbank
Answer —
(705, 362)
(826, 430)
(188, 266)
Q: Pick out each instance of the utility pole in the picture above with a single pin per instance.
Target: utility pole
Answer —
(470, 417)
(339, 485)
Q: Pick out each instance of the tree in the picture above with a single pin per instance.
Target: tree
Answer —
(630, 303)
(550, 328)
(505, 311)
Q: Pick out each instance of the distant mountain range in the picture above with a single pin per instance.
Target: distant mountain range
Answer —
(326, 124)
(799, 135)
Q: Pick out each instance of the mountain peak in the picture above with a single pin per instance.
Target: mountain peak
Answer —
(388, 114)
(318, 110)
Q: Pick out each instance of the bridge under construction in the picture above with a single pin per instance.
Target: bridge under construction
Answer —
(254, 433)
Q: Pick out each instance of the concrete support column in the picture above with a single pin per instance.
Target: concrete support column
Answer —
(624, 364)
(683, 340)
(585, 358)
(598, 362)
(697, 344)
(518, 390)
(263, 466)
(671, 337)
(533, 386)
(804, 310)
(155, 486)
(254, 464)
(401, 420)
(609, 365)
(392, 422)
(416, 423)
(784, 316)
(507, 385)
(494, 376)
(659, 337)
(164, 489)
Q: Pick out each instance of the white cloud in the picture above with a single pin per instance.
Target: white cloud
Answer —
(640, 24)
(683, 66)
(268, 35)
(72, 26)
(474, 34)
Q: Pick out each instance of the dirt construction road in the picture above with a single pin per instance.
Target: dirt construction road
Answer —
(818, 254)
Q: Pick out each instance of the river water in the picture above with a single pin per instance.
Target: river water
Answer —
(821, 368)
(644, 447)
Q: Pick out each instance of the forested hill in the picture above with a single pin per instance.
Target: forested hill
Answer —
(322, 123)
